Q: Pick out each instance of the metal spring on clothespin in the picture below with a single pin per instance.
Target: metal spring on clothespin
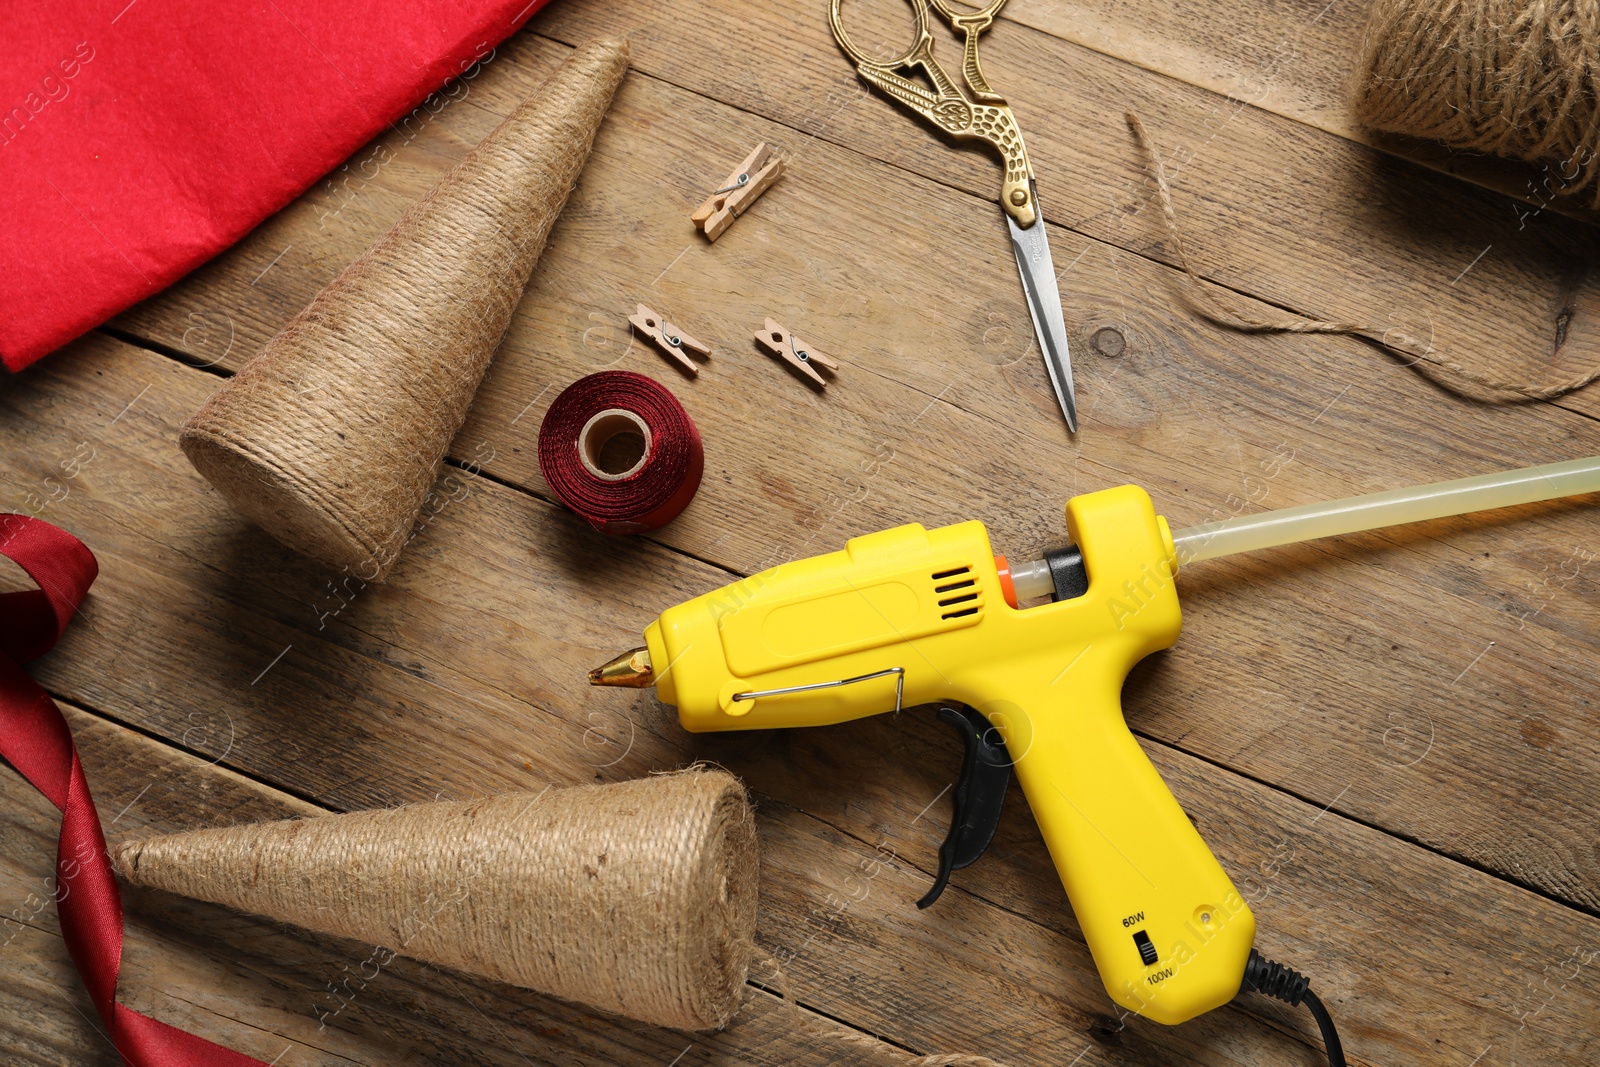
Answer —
(673, 342)
(739, 190)
(802, 358)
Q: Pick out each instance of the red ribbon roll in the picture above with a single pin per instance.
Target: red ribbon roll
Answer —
(664, 468)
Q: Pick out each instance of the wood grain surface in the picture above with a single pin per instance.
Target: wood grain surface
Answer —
(1389, 740)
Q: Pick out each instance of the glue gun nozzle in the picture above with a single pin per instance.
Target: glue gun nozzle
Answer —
(631, 670)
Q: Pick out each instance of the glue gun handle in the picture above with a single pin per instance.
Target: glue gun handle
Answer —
(1168, 931)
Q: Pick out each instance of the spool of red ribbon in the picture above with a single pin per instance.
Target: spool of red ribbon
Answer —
(618, 449)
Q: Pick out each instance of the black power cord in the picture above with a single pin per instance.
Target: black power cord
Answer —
(1262, 975)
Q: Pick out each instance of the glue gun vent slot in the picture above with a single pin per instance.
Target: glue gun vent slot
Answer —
(957, 592)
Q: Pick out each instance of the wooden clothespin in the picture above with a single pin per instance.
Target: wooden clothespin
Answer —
(739, 190)
(673, 342)
(775, 341)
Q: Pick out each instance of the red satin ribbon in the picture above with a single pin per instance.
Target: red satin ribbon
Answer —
(35, 740)
(653, 495)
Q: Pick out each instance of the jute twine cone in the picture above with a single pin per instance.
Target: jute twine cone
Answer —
(637, 898)
(331, 437)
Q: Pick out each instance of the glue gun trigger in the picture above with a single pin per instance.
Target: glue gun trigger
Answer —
(978, 796)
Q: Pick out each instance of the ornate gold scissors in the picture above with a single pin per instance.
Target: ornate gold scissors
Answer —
(979, 113)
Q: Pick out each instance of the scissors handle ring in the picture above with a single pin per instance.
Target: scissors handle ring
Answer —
(979, 20)
(920, 46)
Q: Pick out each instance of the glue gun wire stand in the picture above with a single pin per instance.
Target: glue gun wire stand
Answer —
(858, 632)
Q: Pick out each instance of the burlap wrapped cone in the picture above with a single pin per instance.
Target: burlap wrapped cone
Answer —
(331, 437)
(637, 898)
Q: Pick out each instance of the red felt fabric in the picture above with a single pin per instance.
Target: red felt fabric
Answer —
(138, 140)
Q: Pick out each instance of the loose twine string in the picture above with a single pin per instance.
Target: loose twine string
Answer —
(1415, 353)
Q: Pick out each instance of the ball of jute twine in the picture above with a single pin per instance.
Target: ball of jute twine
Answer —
(1514, 78)
(637, 898)
(332, 435)
(1415, 353)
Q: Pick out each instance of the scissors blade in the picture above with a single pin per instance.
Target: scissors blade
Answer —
(1044, 304)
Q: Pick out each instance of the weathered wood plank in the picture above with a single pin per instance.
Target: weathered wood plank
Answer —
(464, 674)
(1292, 58)
(943, 413)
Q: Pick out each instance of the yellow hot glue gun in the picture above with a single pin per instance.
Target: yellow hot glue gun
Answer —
(911, 616)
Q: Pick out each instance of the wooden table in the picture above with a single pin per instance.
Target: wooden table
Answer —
(1390, 740)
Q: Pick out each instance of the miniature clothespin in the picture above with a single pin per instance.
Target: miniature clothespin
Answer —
(739, 190)
(774, 340)
(673, 342)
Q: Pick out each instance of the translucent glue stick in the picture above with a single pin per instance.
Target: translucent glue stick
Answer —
(1246, 533)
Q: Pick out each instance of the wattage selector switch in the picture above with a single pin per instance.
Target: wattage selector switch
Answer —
(1147, 948)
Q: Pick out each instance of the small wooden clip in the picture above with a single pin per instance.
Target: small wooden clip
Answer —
(804, 360)
(739, 190)
(673, 342)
